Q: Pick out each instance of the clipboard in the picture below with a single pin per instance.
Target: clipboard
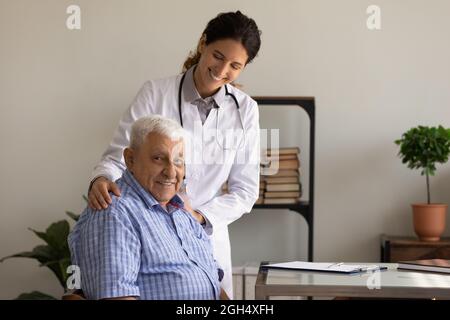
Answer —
(336, 267)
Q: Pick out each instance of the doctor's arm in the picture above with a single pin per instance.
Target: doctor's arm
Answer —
(243, 180)
(112, 165)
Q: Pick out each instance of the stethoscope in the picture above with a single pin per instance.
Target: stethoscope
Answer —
(227, 93)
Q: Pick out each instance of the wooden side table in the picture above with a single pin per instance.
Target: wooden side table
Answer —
(397, 248)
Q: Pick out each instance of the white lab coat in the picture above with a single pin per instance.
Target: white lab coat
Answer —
(204, 178)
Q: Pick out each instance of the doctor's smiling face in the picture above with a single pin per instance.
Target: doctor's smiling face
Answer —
(158, 165)
(229, 42)
(220, 63)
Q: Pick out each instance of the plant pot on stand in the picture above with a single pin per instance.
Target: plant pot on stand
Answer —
(429, 220)
(421, 148)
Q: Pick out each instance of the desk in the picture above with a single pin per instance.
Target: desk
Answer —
(391, 283)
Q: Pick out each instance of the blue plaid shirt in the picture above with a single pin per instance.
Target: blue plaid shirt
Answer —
(136, 248)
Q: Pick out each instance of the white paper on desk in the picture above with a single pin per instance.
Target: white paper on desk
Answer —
(321, 266)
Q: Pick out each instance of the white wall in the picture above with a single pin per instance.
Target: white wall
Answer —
(62, 93)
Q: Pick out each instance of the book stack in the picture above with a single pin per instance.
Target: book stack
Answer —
(280, 171)
(280, 177)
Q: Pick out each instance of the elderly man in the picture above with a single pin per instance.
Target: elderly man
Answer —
(145, 245)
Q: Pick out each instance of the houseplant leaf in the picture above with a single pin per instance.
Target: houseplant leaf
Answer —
(55, 255)
(56, 235)
(72, 215)
(41, 253)
(422, 147)
(35, 295)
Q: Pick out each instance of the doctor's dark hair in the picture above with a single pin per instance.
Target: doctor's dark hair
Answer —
(229, 25)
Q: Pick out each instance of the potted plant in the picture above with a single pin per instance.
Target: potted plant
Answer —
(54, 255)
(421, 148)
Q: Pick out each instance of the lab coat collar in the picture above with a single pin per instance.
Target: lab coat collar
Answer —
(146, 196)
(191, 94)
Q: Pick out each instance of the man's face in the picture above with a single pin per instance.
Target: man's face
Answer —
(158, 165)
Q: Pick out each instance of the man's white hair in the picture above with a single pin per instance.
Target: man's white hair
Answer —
(154, 123)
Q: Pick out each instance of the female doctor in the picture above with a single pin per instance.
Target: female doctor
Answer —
(208, 108)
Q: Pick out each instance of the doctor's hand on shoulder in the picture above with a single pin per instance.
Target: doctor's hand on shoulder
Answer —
(98, 197)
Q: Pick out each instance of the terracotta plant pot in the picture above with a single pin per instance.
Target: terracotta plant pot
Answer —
(429, 220)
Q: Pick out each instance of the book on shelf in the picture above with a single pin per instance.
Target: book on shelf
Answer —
(288, 150)
(283, 164)
(260, 200)
(277, 157)
(281, 200)
(283, 194)
(429, 265)
(283, 187)
(278, 180)
(283, 173)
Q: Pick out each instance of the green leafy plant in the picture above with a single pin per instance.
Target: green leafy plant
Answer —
(422, 147)
(55, 254)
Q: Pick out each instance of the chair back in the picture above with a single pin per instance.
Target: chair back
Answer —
(74, 295)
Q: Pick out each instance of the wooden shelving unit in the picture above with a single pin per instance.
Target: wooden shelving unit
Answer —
(304, 208)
